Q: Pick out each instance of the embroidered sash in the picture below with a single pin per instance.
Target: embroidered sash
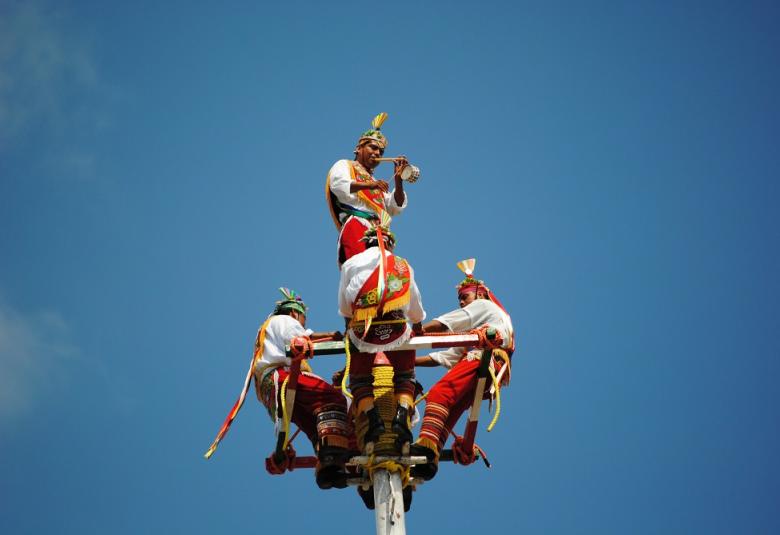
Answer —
(378, 297)
(374, 198)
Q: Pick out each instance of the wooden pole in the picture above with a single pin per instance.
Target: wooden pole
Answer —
(389, 503)
(471, 423)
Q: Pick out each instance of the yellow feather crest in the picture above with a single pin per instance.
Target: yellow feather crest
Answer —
(467, 266)
(378, 121)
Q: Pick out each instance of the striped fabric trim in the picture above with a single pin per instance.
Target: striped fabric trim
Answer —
(434, 423)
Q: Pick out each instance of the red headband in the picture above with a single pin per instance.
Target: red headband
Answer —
(470, 287)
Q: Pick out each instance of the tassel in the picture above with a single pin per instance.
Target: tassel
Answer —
(362, 314)
(397, 303)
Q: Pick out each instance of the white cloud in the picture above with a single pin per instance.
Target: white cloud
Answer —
(50, 90)
(31, 349)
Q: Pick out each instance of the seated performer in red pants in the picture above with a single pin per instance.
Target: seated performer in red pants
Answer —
(454, 393)
(320, 410)
(378, 296)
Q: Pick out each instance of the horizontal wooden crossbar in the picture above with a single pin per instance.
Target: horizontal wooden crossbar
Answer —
(361, 460)
(416, 343)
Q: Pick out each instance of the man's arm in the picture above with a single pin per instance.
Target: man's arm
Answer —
(435, 326)
(415, 313)
(372, 184)
(447, 358)
(399, 195)
(343, 187)
(425, 362)
(330, 335)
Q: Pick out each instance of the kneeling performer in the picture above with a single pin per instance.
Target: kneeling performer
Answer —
(454, 393)
(320, 410)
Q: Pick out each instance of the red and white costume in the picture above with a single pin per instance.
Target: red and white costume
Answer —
(352, 211)
(386, 315)
(454, 393)
(320, 409)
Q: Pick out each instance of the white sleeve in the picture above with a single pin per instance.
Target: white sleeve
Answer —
(345, 308)
(340, 182)
(456, 321)
(293, 329)
(416, 313)
(449, 357)
(391, 206)
(280, 331)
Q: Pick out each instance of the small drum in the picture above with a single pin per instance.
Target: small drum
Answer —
(410, 173)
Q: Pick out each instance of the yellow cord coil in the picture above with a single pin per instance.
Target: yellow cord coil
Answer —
(346, 368)
(285, 417)
(498, 400)
(384, 401)
(497, 386)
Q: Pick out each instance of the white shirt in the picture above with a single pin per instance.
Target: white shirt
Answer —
(474, 315)
(354, 274)
(278, 334)
(340, 182)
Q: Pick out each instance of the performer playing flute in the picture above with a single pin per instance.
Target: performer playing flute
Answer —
(355, 197)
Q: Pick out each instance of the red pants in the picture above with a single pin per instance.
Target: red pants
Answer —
(320, 410)
(448, 399)
(349, 239)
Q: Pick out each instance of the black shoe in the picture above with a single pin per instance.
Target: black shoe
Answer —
(367, 496)
(331, 472)
(376, 428)
(401, 428)
(328, 455)
(427, 470)
(407, 492)
(331, 477)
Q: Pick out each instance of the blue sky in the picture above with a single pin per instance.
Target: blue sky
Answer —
(612, 167)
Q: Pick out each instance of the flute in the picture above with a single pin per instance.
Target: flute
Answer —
(410, 173)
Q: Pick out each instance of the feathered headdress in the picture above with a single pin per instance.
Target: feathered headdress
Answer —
(373, 133)
(291, 301)
(469, 283)
(472, 284)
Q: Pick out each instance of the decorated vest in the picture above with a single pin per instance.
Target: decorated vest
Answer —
(374, 198)
(377, 312)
